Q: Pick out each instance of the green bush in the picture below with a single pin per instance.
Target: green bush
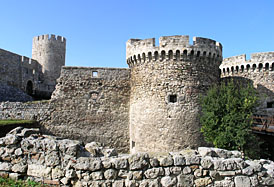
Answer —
(226, 117)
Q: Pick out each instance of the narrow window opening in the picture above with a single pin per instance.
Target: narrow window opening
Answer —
(172, 98)
(132, 144)
(270, 104)
(139, 58)
(95, 74)
(156, 55)
(185, 52)
(170, 55)
(192, 53)
(242, 68)
(267, 66)
(149, 56)
(237, 69)
(260, 66)
(144, 57)
(29, 88)
(177, 55)
(248, 67)
(163, 55)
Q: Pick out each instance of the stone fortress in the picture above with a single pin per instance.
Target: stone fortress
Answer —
(37, 75)
(152, 106)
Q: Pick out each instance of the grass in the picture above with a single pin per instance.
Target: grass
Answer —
(16, 121)
(7, 182)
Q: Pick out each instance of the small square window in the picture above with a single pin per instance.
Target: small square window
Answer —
(132, 144)
(172, 98)
(95, 74)
(270, 104)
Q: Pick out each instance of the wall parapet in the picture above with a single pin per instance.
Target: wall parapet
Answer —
(25, 153)
(238, 64)
(171, 47)
(49, 37)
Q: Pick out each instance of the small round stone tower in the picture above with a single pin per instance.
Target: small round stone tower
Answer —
(50, 52)
(166, 82)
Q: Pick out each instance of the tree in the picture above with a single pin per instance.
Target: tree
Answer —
(226, 117)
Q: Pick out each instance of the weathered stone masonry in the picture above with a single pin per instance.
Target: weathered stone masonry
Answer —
(152, 106)
(92, 104)
(25, 153)
(166, 81)
(36, 76)
(89, 104)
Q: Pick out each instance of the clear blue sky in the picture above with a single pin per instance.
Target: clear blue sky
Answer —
(97, 30)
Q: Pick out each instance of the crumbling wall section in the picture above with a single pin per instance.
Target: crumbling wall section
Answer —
(92, 104)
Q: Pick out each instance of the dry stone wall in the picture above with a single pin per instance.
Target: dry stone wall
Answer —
(166, 81)
(25, 153)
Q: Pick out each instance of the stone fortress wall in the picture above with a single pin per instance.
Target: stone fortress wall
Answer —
(89, 104)
(151, 106)
(166, 81)
(92, 104)
(36, 76)
(17, 70)
(260, 70)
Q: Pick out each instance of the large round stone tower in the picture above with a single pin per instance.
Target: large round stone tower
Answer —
(50, 52)
(166, 82)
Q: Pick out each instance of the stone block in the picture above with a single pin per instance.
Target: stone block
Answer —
(242, 181)
(39, 171)
(110, 174)
(138, 161)
(120, 163)
(168, 181)
(5, 166)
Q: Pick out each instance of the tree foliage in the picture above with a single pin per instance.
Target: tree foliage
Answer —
(226, 117)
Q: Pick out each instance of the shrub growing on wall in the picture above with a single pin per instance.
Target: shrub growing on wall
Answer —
(226, 117)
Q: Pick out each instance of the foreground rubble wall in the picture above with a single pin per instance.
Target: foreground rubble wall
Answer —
(25, 153)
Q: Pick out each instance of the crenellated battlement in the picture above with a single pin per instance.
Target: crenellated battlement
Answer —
(239, 64)
(25, 59)
(51, 37)
(171, 47)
